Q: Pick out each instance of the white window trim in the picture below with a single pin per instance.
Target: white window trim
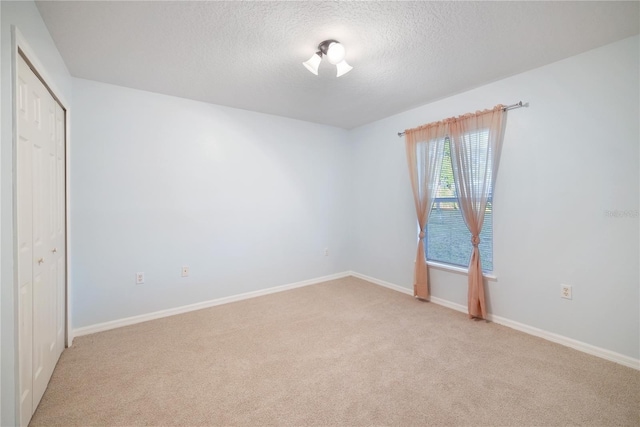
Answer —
(460, 270)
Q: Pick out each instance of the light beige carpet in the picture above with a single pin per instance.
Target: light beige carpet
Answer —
(344, 352)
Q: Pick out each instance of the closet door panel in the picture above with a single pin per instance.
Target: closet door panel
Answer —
(44, 268)
(59, 244)
(24, 222)
(41, 236)
(40, 239)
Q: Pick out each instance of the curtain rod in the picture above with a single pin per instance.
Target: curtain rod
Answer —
(508, 107)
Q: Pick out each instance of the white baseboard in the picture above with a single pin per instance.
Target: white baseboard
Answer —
(566, 341)
(382, 283)
(99, 327)
(549, 336)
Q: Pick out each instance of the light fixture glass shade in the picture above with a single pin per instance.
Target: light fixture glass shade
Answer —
(313, 63)
(343, 68)
(336, 53)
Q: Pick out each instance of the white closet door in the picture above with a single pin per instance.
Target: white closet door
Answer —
(41, 236)
(59, 249)
(24, 196)
(44, 269)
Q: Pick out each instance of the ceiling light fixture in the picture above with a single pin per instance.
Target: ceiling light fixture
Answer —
(335, 53)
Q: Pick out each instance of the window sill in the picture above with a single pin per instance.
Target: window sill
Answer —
(459, 270)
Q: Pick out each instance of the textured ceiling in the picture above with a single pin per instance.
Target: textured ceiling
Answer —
(248, 54)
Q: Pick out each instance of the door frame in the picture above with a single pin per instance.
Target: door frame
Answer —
(20, 47)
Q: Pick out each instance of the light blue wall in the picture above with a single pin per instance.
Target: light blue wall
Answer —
(568, 159)
(247, 200)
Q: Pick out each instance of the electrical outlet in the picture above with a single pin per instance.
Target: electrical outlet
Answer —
(565, 291)
(326, 251)
(139, 278)
(185, 271)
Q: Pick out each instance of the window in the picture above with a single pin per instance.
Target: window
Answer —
(448, 240)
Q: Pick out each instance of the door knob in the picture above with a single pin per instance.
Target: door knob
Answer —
(40, 261)
(54, 250)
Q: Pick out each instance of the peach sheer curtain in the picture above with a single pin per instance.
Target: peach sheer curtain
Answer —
(425, 147)
(476, 143)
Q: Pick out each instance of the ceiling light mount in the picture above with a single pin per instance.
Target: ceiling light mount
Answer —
(324, 46)
(335, 53)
